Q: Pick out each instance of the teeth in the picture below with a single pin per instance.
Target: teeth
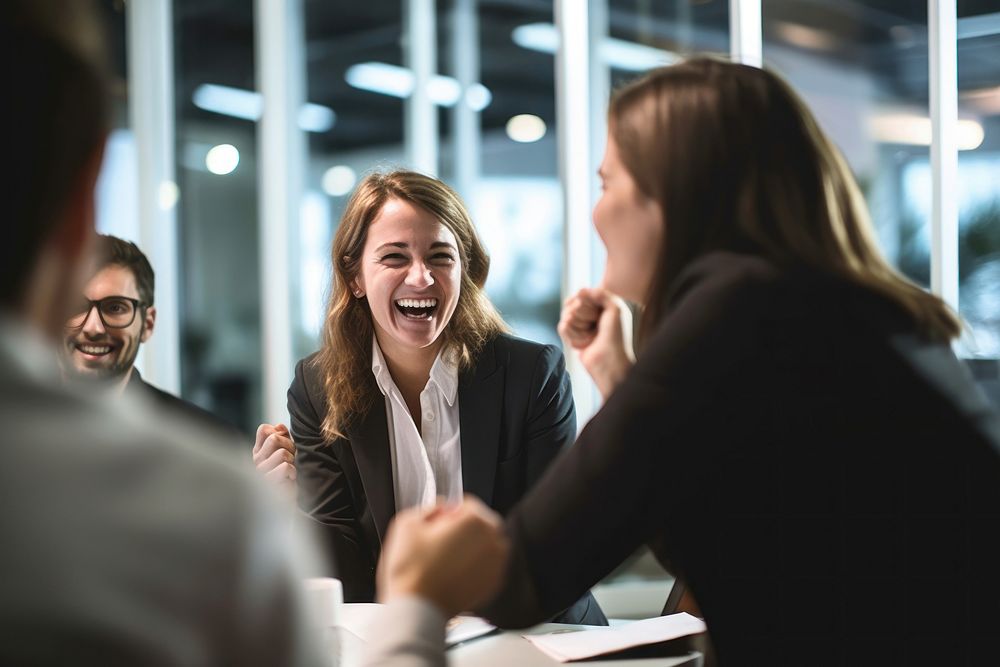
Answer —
(94, 349)
(417, 303)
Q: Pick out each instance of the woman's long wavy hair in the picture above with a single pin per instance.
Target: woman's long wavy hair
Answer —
(344, 359)
(737, 162)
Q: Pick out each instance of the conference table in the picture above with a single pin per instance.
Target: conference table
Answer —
(500, 649)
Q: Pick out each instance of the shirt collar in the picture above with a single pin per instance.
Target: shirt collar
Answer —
(444, 373)
(380, 369)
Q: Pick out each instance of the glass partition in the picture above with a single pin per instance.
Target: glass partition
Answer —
(862, 69)
(217, 108)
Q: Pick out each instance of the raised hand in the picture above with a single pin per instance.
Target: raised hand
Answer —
(274, 454)
(591, 323)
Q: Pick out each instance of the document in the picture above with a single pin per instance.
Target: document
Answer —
(566, 646)
(464, 628)
(361, 621)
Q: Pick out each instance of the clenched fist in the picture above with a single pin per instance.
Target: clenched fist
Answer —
(591, 323)
(451, 555)
(274, 455)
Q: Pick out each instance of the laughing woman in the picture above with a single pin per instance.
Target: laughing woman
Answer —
(417, 392)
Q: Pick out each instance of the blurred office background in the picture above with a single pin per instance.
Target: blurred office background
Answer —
(237, 214)
(242, 127)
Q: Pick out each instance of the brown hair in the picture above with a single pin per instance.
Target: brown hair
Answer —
(113, 251)
(58, 112)
(737, 162)
(344, 360)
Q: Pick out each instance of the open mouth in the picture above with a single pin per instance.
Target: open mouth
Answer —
(94, 350)
(417, 309)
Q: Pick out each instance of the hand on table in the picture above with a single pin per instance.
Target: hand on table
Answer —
(591, 323)
(454, 556)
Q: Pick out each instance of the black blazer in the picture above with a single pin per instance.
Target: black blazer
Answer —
(515, 414)
(827, 482)
(186, 410)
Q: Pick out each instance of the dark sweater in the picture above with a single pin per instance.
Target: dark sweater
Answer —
(827, 482)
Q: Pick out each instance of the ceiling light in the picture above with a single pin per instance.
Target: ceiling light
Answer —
(248, 105)
(381, 78)
(541, 37)
(634, 57)
(235, 102)
(525, 128)
(478, 97)
(617, 53)
(222, 159)
(316, 118)
(804, 37)
(398, 81)
(985, 100)
(915, 130)
(339, 180)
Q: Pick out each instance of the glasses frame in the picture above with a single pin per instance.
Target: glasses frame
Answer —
(136, 305)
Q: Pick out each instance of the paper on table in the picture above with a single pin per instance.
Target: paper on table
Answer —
(464, 628)
(361, 622)
(567, 646)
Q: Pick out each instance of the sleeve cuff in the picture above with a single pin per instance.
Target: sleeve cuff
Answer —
(420, 614)
(411, 633)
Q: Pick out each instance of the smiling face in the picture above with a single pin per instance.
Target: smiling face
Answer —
(631, 226)
(411, 273)
(96, 351)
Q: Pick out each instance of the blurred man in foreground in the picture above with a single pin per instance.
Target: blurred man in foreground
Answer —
(122, 545)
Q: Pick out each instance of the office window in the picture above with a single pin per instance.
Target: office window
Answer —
(352, 60)
(861, 66)
(117, 188)
(862, 69)
(642, 35)
(217, 108)
(979, 175)
(499, 150)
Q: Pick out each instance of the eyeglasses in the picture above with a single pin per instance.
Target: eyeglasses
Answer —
(116, 312)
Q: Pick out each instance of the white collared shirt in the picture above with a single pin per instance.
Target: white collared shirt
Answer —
(428, 464)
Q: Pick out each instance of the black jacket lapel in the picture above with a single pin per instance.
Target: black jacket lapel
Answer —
(480, 403)
(370, 443)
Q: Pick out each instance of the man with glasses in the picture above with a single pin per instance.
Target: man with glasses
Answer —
(114, 315)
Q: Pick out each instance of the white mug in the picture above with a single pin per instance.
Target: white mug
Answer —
(324, 596)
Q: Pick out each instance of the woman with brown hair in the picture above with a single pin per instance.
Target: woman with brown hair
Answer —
(796, 436)
(418, 392)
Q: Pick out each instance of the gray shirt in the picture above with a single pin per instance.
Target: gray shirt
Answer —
(126, 541)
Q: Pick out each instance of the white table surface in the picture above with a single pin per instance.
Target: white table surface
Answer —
(503, 649)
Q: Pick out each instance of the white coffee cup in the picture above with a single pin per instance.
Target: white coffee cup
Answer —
(324, 597)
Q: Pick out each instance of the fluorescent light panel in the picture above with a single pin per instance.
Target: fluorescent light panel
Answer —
(915, 130)
(247, 104)
(398, 82)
